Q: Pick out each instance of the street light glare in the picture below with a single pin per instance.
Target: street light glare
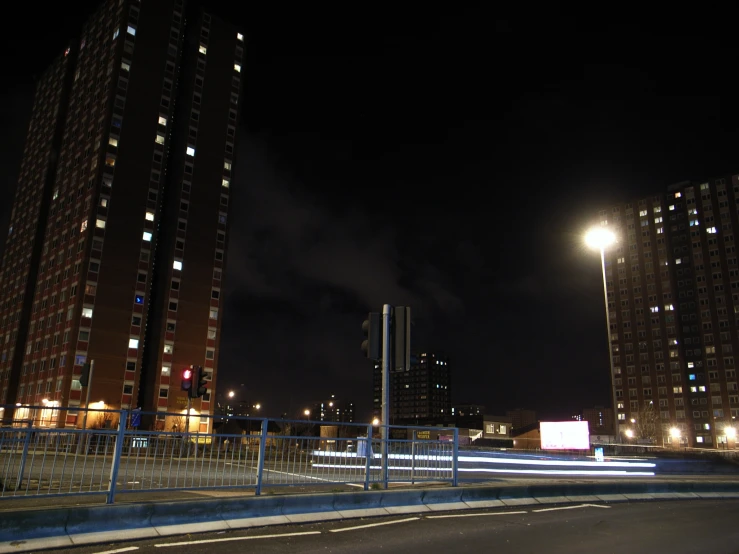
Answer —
(730, 432)
(675, 432)
(599, 237)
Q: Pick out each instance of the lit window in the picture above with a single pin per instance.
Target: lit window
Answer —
(237, 67)
(113, 142)
(190, 151)
(160, 139)
(165, 370)
(149, 216)
(202, 49)
(125, 66)
(100, 223)
(131, 31)
(83, 227)
(104, 202)
(56, 194)
(177, 265)
(139, 299)
(133, 343)
(147, 236)
(162, 120)
(225, 183)
(167, 348)
(115, 34)
(239, 36)
(86, 312)
(642, 213)
(678, 195)
(227, 166)
(214, 314)
(711, 230)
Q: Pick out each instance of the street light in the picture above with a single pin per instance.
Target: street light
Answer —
(231, 394)
(375, 422)
(629, 434)
(600, 238)
(675, 435)
(306, 412)
(258, 406)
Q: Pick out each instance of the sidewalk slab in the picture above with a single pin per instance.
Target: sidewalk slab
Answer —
(368, 512)
(263, 521)
(36, 544)
(393, 510)
(551, 499)
(79, 539)
(518, 501)
(447, 506)
(478, 504)
(311, 517)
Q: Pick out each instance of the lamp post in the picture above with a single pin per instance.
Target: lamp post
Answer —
(675, 436)
(730, 434)
(599, 238)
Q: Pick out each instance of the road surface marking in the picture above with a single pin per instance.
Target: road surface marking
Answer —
(298, 475)
(476, 515)
(373, 525)
(570, 507)
(228, 539)
(127, 549)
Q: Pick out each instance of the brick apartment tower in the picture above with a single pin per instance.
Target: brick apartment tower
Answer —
(117, 240)
(420, 395)
(672, 283)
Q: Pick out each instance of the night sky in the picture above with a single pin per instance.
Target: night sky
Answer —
(448, 160)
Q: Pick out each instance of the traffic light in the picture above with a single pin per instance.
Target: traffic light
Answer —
(401, 332)
(85, 377)
(201, 379)
(372, 344)
(187, 376)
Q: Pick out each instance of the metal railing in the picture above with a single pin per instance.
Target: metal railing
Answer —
(235, 453)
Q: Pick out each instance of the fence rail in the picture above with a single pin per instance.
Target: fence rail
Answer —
(242, 453)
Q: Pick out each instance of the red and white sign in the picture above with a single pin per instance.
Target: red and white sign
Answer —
(563, 435)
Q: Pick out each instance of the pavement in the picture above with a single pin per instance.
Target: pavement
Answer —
(31, 524)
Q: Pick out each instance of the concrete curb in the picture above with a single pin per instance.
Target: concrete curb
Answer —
(27, 530)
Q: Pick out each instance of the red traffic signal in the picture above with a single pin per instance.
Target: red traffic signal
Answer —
(187, 375)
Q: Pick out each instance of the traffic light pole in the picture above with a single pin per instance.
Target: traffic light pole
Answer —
(385, 430)
(87, 397)
(84, 438)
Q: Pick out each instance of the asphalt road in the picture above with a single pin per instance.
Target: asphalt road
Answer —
(677, 527)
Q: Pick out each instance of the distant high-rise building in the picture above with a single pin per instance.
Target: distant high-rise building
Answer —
(331, 409)
(521, 418)
(672, 286)
(117, 239)
(421, 395)
(600, 420)
(467, 410)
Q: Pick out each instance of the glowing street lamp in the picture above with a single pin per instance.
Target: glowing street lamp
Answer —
(258, 406)
(730, 432)
(629, 433)
(375, 422)
(599, 238)
(306, 412)
(231, 394)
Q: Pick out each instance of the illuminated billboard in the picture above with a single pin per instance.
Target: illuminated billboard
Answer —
(563, 435)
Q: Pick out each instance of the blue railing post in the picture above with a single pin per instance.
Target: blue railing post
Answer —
(260, 463)
(455, 458)
(24, 456)
(367, 457)
(386, 457)
(120, 436)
